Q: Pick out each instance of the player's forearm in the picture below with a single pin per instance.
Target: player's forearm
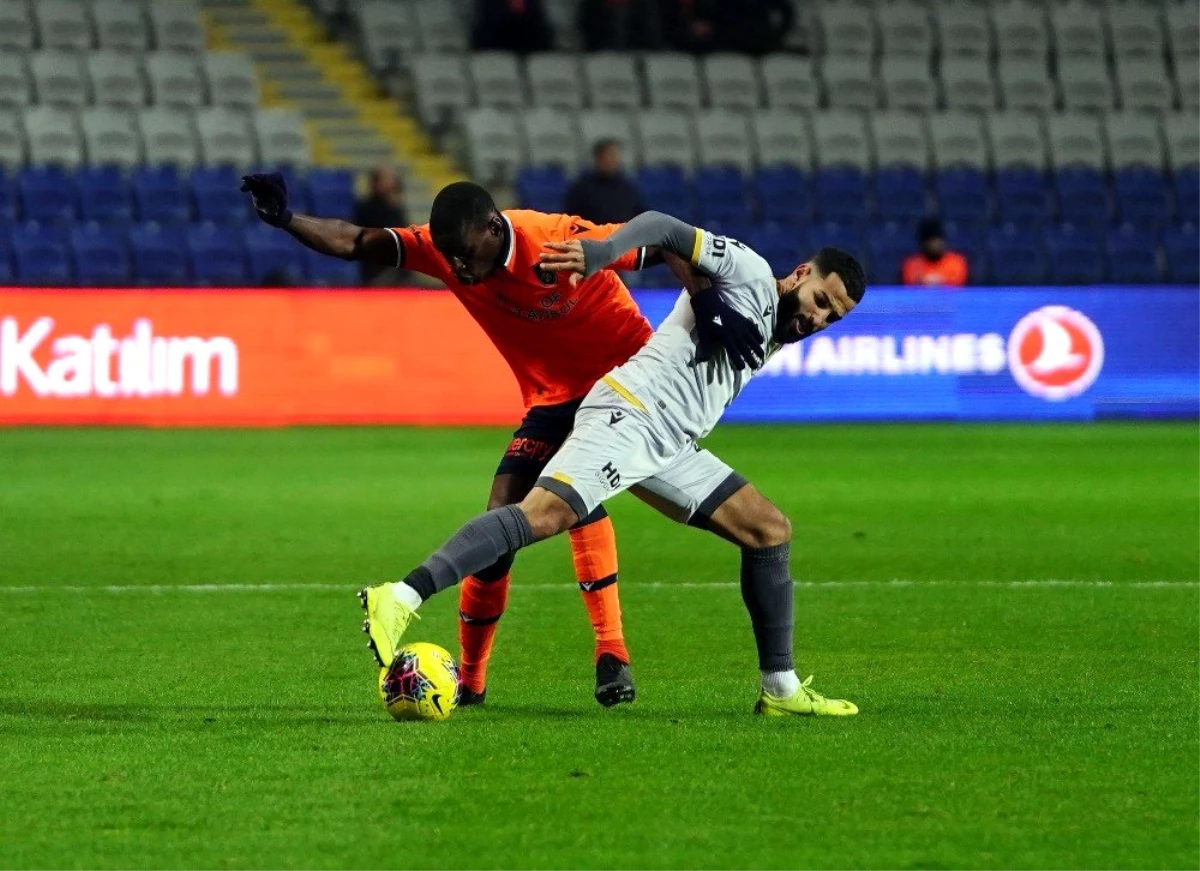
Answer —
(647, 230)
(692, 279)
(337, 238)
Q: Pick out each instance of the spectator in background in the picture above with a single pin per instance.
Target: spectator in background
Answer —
(620, 25)
(934, 265)
(604, 195)
(384, 207)
(511, 25)
(687, 25)
(755, 27)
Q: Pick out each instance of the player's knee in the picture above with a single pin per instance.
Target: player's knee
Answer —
(548, 514)
(770, 529)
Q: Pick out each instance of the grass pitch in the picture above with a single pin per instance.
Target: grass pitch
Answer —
(1029, 686)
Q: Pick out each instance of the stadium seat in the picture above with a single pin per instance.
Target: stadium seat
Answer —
(110, 136)
(1085, 84)
(847, 31)
(100, 255)
(7, 271)
(63, 24)
(176, 26)
(967, 83)
(159, 256)
(116, 79)
(779, 246)
(908, 84)
(443, 88)
(1083, 196)
(789, 82)
(440, 25)
(16, 26)
(905, 30)
(554, 80)
(900, 194)
(58, 78)
(1134, 32)
(783, 139)
(1143, 84)
(168, 137)
(1133, 256)
(1021, 196)
(274, 258)
(849, 82)
(215, 195)
(331, 271)
(160, 194)
(282, 138)
(969, 238)
(542, 188)
(611, 80)
(1141, 197)
(389, 34)
(601, 124)
(724, 139)
(225, 137)
(1025, 84)
(782, 193)
(218, 255)
(1075, 140)
(493, 144)
(840, 194)
(1181, 245)
(1078, 32)
(666, 138)
(551, 137)
(40, 255)
(231, 79)
(8, 200)
(1182, 134)
(1021, 31)
(1187, 76)
(1076, 255)
(120, 25)
(666, 189)
(900, 140)
(1183, 31)
(53, 136)
(890, 245)
(48, 194)
(957, 139)
(497, 79)
(174, 79)
(731, 81)
(672, 80)
(841, 139)
(104, 195)
(332, 192)
(962, 194)
(962, 32)
(1017, 139)
(1187, 194)
(724, 197)
(1016, 256)
(847, 236)
(1134, 140)
(16, 88)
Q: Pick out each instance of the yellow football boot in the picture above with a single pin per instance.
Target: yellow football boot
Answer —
(804, 702)
(387, 619)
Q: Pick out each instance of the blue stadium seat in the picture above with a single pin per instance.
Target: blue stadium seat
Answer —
(1181, 245)
(890, 244)
(783, 195)
(47, 194)
(7, 273)
(543, 188)
(969, 238)
(784, 246)
(900, 194)
(40, 255)
(1187, 195)
(847, 236)
(8, 199)
(841, 195)
(331, 271)
(104, 195)
(159, 255)
(722, 195)
(160, 194)
(216, 196)
(299, 192)
(1022, 196)
(101, 255)
(1133, 255)
(1083, 196)
(275, 258)
(1016, 256)
(218, 255)
(962, 195)
(1141, 197)
(665, 188)
(1076, 255)
(331, 192)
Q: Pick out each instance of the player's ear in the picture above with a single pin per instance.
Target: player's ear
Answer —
(496, 225)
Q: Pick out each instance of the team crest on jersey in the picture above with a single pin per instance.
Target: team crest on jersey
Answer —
(545, 276)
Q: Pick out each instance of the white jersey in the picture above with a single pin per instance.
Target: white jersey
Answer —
(688, 398)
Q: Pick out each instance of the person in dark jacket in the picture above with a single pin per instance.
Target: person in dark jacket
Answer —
(620, 25)
(521, 26)
(383, 208)
(605, 195)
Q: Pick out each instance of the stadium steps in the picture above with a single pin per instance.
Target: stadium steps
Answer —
(349, 121)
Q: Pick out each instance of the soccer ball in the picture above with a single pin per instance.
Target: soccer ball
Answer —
(420, 684)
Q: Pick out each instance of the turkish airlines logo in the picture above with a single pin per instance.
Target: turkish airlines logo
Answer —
(1055, 352)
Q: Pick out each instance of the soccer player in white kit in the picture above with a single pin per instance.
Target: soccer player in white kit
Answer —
(638, 428)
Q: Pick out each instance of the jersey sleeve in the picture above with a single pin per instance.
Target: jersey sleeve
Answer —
(630, 261)
(415, 251)
(723, 259)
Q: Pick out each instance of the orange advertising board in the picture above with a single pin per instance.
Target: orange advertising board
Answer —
(247, 358)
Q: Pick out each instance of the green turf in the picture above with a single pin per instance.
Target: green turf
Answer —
(1002, 725)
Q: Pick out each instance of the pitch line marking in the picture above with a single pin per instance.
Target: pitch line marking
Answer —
(896, 583)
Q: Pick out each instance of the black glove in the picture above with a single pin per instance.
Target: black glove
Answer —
(268, 193)
(719, 325)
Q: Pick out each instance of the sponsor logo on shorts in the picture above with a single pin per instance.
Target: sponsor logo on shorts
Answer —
(533, 449)
(609, 476)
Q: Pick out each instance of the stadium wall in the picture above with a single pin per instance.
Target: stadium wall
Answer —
(282, 357)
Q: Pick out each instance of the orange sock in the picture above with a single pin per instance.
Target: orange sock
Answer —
(480, 606)
(594, 547)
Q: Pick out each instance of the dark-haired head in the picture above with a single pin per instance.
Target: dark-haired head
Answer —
(818, 293)
(466, 227)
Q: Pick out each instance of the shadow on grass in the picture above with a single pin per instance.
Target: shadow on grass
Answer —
(275, 714)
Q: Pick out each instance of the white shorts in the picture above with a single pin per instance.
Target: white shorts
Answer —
(615, 446)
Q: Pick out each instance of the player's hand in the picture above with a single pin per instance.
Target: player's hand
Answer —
(565, 257)
(268, 193)
(719, 325)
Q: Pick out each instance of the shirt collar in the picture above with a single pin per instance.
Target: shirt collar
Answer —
(511, 253)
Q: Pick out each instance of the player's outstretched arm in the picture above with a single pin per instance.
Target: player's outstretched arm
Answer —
(336, 238)
(586, 257)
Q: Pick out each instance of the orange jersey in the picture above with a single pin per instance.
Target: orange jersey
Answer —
(558, 340)
(950, 271)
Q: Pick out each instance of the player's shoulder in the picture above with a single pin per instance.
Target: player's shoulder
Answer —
(528, 219)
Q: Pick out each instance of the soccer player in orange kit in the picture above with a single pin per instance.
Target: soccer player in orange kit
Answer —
(558, 339)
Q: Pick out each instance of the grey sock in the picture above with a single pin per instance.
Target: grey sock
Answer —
(473, 548)
(767, 592)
